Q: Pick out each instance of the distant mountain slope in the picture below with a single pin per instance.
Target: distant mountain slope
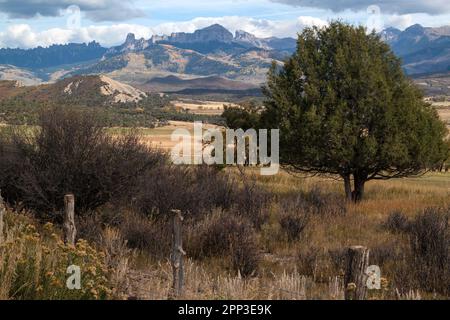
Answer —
(80, 90)
(22, 76)
(174, 84)
(423, 50)
(52, 56)
(435, 85)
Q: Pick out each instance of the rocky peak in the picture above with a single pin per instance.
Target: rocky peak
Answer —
(131, 38)
(244, 35)
(216, 32)
(249, 39)
(414, 30)
(390, 34)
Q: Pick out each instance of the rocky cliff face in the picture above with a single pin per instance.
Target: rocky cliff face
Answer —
(250, 40)
(131, 45)
(214, 33)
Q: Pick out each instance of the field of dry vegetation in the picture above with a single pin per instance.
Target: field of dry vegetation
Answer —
(245, 236)
(297, 251)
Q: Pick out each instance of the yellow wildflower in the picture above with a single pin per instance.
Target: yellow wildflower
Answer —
(48, 227)
(351, 286)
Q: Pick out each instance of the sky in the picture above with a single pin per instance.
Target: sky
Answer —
(32, 23)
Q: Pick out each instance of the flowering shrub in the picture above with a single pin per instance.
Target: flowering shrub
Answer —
(33, 265)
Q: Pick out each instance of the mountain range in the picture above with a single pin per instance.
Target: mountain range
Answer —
(209, 58)
(423, 50)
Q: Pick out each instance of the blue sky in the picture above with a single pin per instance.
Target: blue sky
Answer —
(29, 23)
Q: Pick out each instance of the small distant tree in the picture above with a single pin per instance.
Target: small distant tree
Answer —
(244, 116)
(344, 107)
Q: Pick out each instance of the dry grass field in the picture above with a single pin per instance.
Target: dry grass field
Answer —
(443, 109)
(306, 268)
(161, 137)
(200, 107)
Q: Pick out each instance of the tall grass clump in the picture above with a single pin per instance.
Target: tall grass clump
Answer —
(230, 237)
(430, 246)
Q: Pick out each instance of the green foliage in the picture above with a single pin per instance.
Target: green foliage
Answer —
(243, 117)
(344, 106)
(146, 113)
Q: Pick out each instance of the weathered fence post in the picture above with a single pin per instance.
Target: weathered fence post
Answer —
(2, 213)
(70, 230)
(177, 255)
(355, 277)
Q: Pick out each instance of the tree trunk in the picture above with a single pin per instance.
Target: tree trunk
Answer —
(348, 186)
(358, 193)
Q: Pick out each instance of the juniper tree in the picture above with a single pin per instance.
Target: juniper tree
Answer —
(344, 107)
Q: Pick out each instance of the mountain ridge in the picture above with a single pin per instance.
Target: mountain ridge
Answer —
(209, 52)
(423, 50)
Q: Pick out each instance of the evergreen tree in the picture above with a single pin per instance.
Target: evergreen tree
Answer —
(344, 107)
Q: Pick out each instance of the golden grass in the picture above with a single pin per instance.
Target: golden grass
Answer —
(200, 108)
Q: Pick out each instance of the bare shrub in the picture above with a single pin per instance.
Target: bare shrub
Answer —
(397, 222)
(308, 261)
(191, 190)
(252, 202)
(317, 263)
(145, 234)
(293, 224)
(70, 153)
(90, 227)
(338, 257)
(317, 201)
(293, 216)
(223, 234)
(244, 254)
(387, 253)
(326, 203)
(430, 246)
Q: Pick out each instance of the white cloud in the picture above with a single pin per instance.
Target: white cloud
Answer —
(399, 21)
(96, 10)
(259, 27)
(433, 7)
(23, 36)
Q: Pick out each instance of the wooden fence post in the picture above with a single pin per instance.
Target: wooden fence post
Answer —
(70, 230)
(177, 255)
(355, 273)
(2, 213)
